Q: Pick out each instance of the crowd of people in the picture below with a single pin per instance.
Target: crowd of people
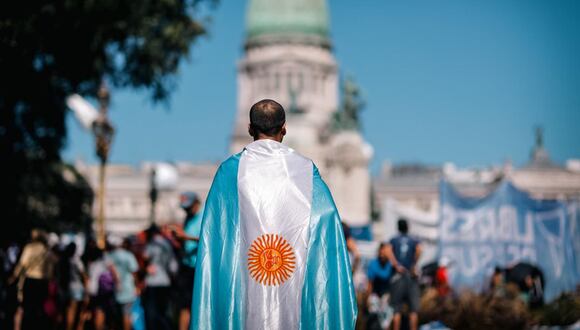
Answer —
(397, 287)
(51, 283)
(143, 281)
(393, 282)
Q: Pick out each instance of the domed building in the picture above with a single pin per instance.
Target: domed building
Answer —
(288, 57)
(279, 21)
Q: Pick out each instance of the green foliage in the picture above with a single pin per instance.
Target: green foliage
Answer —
(565, 310)
(479, 311)
(475, 311)
(51, 49)
(55, 197)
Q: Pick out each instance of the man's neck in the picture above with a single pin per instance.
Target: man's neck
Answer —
(266, 137)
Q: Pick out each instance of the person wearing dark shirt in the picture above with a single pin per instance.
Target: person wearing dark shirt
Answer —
(404, 251)
(379, 272)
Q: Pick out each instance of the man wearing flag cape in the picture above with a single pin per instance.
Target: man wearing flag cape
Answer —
(272, 254)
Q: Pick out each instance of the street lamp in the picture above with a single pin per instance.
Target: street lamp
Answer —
(163, 177)
(103, 131)
(153, 193)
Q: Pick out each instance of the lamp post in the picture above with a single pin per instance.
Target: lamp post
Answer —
(103, 131)
(153, 193)
(163, 177)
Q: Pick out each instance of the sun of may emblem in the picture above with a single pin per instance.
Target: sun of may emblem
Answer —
(271, 260)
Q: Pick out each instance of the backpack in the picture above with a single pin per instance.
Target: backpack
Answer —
(107, 283)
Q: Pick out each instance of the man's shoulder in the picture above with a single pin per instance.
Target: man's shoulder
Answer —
(230, 165)
(302, 157)
(232, 160)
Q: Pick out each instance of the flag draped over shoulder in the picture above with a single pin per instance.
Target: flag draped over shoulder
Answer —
(272, 253)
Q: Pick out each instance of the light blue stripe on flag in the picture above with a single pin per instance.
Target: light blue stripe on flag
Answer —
(218, 290)
(328, 297)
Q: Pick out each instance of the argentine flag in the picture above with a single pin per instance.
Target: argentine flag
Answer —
(272, 253)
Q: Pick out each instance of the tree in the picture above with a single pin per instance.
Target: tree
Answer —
(51, 49)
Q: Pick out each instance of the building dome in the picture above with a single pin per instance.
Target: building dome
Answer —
(283, 21)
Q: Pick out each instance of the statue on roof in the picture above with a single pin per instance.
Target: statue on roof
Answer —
(294, 108)
(539, 137)
(347, 118)
(540, 157)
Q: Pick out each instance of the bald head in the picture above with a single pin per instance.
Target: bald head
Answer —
(267, 119)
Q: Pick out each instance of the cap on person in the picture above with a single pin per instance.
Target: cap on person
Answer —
(187, 199)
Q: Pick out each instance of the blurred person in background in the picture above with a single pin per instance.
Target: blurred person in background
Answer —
(442, 277)
(33, 272)
(72, 283)
(535, 291)
(351, 246)
(404, 252)
(126, 267)
(189, 237)
(529, 281)
(8, 303)
(497, 285)
(379, 274)
(54, 304)
(161, 265)
(102, 279)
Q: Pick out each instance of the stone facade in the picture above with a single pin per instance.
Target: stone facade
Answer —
(417, 185)
(127, 201)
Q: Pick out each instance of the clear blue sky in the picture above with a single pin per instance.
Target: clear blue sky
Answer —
(450, 80)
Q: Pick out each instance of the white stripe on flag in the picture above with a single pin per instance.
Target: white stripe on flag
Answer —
(275, 199)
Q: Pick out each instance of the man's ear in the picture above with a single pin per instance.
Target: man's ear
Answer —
(251, 130)
(283, 131)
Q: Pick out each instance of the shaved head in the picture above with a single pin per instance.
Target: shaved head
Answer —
(267, 118)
